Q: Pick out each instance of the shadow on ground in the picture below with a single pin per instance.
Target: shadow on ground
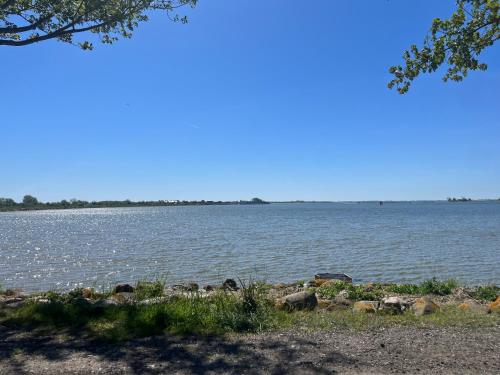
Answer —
(24, 352)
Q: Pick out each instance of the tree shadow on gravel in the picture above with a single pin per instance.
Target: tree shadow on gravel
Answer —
(62, 353)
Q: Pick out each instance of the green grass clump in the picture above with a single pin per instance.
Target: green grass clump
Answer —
(404, 289)
(435, 286)
(487, 292)
(223, 312)
(431, 286)
(149, 289)
(356, 292)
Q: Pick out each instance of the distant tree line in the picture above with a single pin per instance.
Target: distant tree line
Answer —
(29, 202)
(463, 199)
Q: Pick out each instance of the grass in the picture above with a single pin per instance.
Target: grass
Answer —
(221, 313)
(487, 292)
(149, 289)
(356, 292)
(249, 310)
(448, 316)
(411, 289)
(435, 286)
(376, 290)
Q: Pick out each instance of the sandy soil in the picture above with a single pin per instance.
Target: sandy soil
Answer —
(391, 350)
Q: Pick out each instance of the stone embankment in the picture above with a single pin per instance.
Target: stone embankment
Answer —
(325, 291)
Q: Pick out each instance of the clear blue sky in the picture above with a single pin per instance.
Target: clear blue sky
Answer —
(277, 99)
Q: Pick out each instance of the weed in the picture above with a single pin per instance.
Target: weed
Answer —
(487, 292)
(356, 292)
(149, 289)
(404, 289)
(435, 286)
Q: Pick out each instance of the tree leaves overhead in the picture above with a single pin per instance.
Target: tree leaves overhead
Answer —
(24, 22)
(456, 42)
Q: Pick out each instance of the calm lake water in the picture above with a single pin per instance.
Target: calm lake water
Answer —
(398, 242)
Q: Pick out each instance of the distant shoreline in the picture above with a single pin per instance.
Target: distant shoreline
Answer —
(10, 206)
(77, 204)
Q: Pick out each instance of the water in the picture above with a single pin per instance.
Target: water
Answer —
(398, 242)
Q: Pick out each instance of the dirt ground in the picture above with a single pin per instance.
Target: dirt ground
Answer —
(409, 350)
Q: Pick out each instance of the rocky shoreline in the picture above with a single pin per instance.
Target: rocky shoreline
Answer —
(325, 325)
(325, 291)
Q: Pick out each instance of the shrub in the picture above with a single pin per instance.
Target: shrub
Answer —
(435, 286)
(330, 290)
(487, 292)
(249, 311)
(404, 289)
(149, 289)
(356, 292)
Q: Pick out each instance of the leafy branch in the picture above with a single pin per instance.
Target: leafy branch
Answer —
(24, 22)
(457, 42)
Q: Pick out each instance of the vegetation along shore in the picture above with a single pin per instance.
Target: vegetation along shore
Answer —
(149, 308)
(31, 203)
(323, 325)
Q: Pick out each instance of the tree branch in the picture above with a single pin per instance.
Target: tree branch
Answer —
(21, 29)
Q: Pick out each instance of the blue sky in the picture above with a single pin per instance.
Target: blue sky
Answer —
(277, 99)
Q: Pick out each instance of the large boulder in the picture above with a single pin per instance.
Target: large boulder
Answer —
(297, 301)
(230, 284)
(494, 307)
(424, 306)
(393, 305)
(365, 307)
(472, 306)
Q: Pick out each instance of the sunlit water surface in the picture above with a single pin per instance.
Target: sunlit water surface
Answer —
(399, 242)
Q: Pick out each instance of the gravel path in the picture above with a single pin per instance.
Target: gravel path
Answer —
(390, 350)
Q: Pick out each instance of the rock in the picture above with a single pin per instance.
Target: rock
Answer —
(471, 305)
(342, 295)
(393, 305)
(280, 286)
(365, 307)
(123, 297)
(12, 302)
(298, 301)
(494, 307)
(423, 306)
(87, 292)
(124, 288)
(333, 276)
(229, 284)
(14, 293)
(209, 288)
(342, 299)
